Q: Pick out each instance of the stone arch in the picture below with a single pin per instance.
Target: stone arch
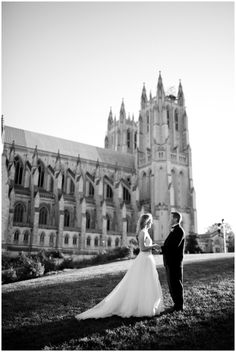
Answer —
(19, 169)
(41, 171)
(43, 215)
(176, 114)
(16, 236)
(66, 218)
(26, 237)
(19, 211)
(109, 242)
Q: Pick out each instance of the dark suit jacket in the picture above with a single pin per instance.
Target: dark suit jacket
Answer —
(173, 248)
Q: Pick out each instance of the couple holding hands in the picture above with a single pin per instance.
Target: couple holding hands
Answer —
(139, 293)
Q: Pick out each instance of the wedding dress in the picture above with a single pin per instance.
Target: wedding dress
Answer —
(138, 294)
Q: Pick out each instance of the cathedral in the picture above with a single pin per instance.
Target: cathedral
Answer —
(82, 199)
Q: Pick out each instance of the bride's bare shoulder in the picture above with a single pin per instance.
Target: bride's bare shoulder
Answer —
(141, 233)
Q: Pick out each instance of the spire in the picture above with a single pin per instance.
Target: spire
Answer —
(143, 97)
(35, 156)
(78, 160)
(97, 170)
(122, 111)
(110, 118)
(78, 166)
(58, 158)
(58, 161)
(150, 96)
(160, 88)
(180, 94)
(12, 152)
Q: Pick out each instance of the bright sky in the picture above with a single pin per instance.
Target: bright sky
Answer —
(64, 64)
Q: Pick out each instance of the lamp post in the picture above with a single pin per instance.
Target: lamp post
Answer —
(221, 229)
(224, 237)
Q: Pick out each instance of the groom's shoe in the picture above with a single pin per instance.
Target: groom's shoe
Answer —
(178, 308)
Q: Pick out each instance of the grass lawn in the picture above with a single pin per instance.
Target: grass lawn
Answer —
(43, 318)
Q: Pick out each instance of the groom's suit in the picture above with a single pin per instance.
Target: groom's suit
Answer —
(173, 252)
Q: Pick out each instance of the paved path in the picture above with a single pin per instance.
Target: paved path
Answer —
(70, 275)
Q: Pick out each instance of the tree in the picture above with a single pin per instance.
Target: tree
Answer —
(192, 245)
(229, 234)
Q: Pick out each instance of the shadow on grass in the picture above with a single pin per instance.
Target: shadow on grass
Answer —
(219, 337)
(37, 337)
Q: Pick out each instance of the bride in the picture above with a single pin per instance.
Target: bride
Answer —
(139, 293)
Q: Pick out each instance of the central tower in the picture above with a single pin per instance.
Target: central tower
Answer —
(163, 157)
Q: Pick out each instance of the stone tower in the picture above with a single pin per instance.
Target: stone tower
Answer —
(163, 157)
(164, 160)
(122, 133)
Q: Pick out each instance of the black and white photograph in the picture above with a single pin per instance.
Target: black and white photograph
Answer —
(117, 175)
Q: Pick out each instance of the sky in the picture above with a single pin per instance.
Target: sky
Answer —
(65, 64)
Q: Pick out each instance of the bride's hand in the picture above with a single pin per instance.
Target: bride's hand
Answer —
(155, 245)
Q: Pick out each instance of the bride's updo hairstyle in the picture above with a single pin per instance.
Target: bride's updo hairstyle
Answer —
(145, 219)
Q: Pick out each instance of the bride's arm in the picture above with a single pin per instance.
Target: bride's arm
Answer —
(143, 242)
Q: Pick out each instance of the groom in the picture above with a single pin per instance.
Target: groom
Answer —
(173, 251)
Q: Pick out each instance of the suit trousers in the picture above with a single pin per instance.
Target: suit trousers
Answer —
(174, 276)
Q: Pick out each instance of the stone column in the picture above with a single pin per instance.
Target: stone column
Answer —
(124, 226)
(104, 225)
(34, 234)
(83, 223)
(59, 243)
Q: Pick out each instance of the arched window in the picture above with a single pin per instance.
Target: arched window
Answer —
(109, 193)
(108, 223)
(88, 241)
(62, 183)
(72, 187)
(18, 213)
(117, 241)
(109, 242)
(66, 218)
(16, 236)
(176, 121)
(96, 242)
(88, 220)
(74, 240)
(42, 237)
(118, 138)
(41, 171)
(51, 183)
(43, 214)
(148, 122)
(126, 195)
(144, 186)
(135, 140)
(18, 171)
(168, 117)
(128, 138)
(91, 190)
(66, 239)
(51, 240)
(128, 224)
(26, 236)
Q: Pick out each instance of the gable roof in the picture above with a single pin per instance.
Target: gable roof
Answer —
(66, 147)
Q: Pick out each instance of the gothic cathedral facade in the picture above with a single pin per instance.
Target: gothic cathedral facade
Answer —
(80, 199)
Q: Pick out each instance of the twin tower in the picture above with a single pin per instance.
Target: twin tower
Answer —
(159, 142)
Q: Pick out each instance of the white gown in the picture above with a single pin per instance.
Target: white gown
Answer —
(138, 294)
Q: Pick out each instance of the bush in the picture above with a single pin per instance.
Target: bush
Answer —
(9, 275)
(6, 261)
(23, 267)
(136, 251)
(112, 254)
